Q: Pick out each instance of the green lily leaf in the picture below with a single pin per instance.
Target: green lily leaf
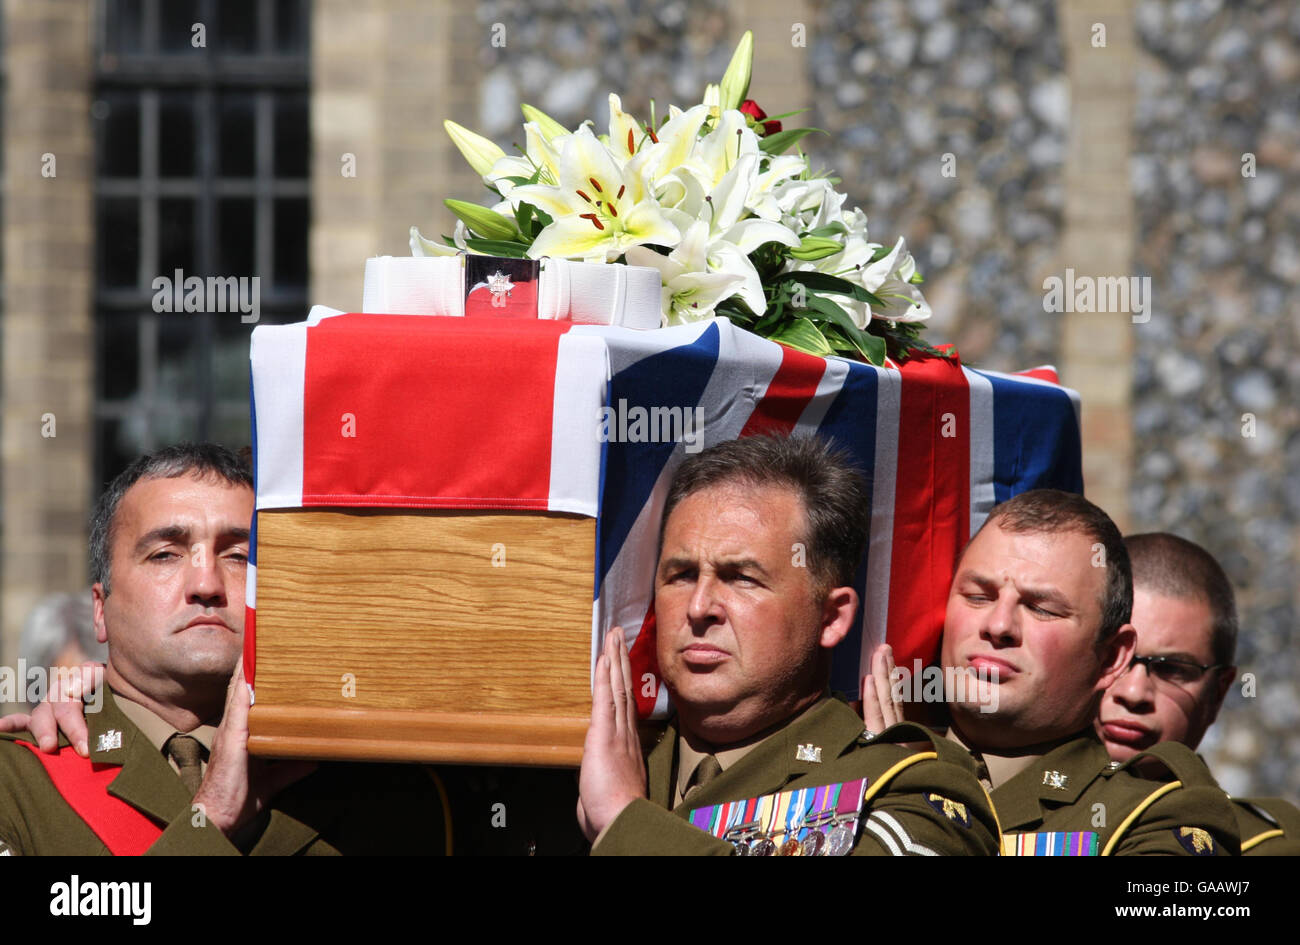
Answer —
(871, 347)
(823, 282)
(499, 248)
(481, 220)
(777, 143)
(797, 111)
(802, 335)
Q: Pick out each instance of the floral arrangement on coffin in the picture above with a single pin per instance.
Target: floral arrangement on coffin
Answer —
(710, 198)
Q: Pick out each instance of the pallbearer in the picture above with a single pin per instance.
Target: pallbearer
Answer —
(1039, 613)
(761, 539)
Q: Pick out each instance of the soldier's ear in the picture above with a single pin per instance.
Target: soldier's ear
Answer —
(838, 611)
(1116, 655)
(97, 596)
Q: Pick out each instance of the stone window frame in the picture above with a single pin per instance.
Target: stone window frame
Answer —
(144, 57)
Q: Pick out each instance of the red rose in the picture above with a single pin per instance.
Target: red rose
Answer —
(750, 108)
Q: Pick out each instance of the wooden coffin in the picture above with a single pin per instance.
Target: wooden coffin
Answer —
(423, 635)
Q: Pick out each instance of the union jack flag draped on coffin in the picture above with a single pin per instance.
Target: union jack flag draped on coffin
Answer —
(593, 420)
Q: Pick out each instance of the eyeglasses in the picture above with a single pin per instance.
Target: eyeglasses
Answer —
(1170, 670)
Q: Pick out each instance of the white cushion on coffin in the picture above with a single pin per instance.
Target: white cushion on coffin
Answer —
(585, 293)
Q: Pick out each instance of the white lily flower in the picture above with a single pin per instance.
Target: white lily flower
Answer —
(539, 153)
(731, 234)
(903, 300)
(673, 145)
(624, 133)
(809, 204)
(598, 208)
(423, 246)
(690, 291)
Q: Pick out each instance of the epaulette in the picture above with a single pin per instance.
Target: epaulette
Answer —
(26, 736)
(1181, 763)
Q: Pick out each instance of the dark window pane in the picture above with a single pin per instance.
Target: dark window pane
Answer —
(238, 135)
(231, 428)
(176, 135)
(290, 26)
(119, 361)
(178, 351)
(173, 421)
(176, 17)
(237, 32)
(124, 21)
(230, 378)
(114, 449)
(235, 237)
(118, 240)
(290, 227)
(292, 136)
(176, 237)
(118, 120)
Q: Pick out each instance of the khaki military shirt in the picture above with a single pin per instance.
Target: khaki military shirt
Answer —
(339, 808)
(1075, 799)
(924, 802)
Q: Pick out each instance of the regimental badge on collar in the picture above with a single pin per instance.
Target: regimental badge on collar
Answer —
(953, 810)
(109, 740)
(1054, 779)
(1195, 841)
(811, 753)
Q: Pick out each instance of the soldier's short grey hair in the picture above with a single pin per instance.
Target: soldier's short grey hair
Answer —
(205, 460)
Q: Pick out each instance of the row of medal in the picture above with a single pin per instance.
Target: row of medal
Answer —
(815, 821)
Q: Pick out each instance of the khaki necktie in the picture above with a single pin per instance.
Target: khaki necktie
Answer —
(704, 772)
(186, 751)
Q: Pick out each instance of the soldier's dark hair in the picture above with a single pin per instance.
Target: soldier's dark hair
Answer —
(832, 490)
(1051, 510)
(201, 460)
(1181, 569)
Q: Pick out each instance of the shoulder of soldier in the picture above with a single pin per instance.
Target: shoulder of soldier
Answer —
(1169, 761)
(920, 755)
(1169, 786)
(1268, 825)
(29, 738)
(1271, 810)
(912, 737)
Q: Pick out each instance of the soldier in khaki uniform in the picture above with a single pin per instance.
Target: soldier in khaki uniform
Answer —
(339, 808)
(1036, 629)
(170, 772)
(760, 759)
(1185, 615)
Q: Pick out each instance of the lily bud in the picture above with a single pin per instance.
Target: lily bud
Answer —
(476, 149)
(735, 81)
(816, 247)
(484, 222)
(550, 128)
